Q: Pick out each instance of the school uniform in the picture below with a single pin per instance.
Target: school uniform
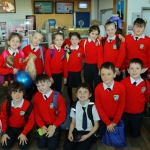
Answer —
(56, 66)
(92, 51)
(4, 70)
(15, 124)
(78, 115)
(112, 54)
(136, 98)
(137, 48)
(38, 64)
(110, 103)
(47, 116)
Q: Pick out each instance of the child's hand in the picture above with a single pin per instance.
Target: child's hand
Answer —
(110, 128)
(148, 76)
(123, 71)
(51, 46)
(4, 139)
(51, 80)
(117, 71)
(99, 72)
(44, 130)
(121, 38)
(50, 131)
(70, 136)
(65, 80)
(15, 70)
(83, 138)
(114, 124)
(23, 139)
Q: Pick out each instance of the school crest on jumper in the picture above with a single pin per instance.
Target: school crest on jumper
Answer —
(143, 89)
(141, 46)
(96, 43)
(114, 46)
(116, 97)
(22, 113)
(51, 105)
(78, 54)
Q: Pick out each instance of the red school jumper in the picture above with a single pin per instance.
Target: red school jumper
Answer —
(107, 105)
(57, 63)
(38, 62)
(16, 120)
(45, 114)
(138, 49)
(17, 63)
(136, 96)
(74, 63)
(112, 54)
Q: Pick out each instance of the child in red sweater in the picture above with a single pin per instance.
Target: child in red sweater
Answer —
(138, 46)
(14, 42)
(113, 49)
(34, 48)
(14, 124)
(45, 114)
(74, 63)
(91, 48)
(56, 63)
(137, 93)
(109, 99)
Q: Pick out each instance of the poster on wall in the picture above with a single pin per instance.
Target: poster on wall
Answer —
(7, 6)
(120, 9)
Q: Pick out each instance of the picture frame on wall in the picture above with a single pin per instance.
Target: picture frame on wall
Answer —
(7, 6)
(33, 17)
(3, 25)
(43, 7)
(120, 9)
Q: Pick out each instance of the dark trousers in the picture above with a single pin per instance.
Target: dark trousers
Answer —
(119, 77)
(101, 130)
(84, 145)
(91, 76)
(10, 75)
(57, 82)
(49, 143)
(132, 123)
(13, 133)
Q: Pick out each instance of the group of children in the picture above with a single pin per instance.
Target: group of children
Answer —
(104, 60)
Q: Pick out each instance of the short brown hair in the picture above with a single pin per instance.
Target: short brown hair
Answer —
(14, 87)
(108, 65)
(41, 78)
(85, 86)
(136, 61)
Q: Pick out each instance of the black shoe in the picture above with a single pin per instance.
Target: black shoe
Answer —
(146, 115)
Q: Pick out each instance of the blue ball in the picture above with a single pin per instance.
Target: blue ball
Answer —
(24, 78)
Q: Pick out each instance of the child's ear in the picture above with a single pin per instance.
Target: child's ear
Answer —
(90, 95)
(8, 42)
(114, 74)
(142, 71)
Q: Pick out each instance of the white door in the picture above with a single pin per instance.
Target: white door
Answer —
(105, 15)
(145, 16)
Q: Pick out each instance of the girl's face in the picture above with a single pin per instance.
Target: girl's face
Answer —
(17, 95)
(58, 40)
(14, 43)
(74, 40)
(36, 39)
(110, 30)
(93, 35)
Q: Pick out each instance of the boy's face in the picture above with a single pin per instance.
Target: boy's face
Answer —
(58, 40)
(43, 87)
(93, 35)
(36, 39)
(17, 95)
(14, 43)
(110, 30)
(138, 30)
(135, 70)
(83, 94)
(74, 40)
(107, 76)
